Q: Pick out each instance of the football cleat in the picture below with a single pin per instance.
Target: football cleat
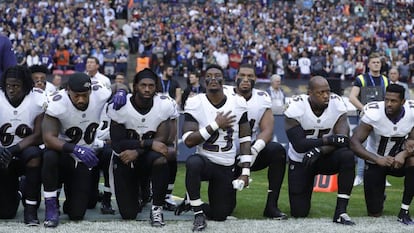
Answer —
(51, 213)
(199, 223)
(343, 219)
(156, 217)
(404, 217)
(274, 213)
(106, 208)
(30, 215)
(170, 204)
(184, 206)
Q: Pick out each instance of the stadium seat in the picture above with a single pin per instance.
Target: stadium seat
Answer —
(69, 72)
(59, 72)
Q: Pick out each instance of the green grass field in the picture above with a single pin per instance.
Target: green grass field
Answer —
(251, 201)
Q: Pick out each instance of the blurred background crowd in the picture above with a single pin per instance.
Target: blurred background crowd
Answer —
(294, 39)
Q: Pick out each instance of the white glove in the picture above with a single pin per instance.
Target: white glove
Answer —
(238, 184)
(98, 144)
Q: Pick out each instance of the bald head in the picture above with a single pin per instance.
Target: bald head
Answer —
(317, 81)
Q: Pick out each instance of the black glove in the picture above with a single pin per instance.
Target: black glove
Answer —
(5, 157)
(310, 157)
(338, 140)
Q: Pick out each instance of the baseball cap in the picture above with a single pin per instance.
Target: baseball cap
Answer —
(79, 82)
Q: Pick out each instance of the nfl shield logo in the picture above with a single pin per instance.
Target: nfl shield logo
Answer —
(395, 128)
(143, 119)
(318, 121)
(15, 112)
(84, 115)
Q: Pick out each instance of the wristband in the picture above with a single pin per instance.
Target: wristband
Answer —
(245, 139)
(185, 136)
(245, 172)
(245, 158)
(204, 133)
(214, 126)
(259, 145)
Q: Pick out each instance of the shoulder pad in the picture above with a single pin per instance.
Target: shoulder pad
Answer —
(193, 102)
(296, 106)
(338, 102)
(372, 111)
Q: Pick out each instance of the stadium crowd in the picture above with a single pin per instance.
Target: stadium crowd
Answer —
(331, 38)
(239, 41)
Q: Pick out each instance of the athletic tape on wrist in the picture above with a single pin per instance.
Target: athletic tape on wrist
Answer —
(245, 171)
(185, 136)
(259, 145)
(245, 139)
(204, 133)
(245, 158)
(214, 126)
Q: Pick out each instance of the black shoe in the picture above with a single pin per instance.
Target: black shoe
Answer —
(30, 215)
(199, 223)
(404, 217)
(169, 205)
(106, 208)
(156, 217)
(184, 206)
(343, 219)
(274, 213)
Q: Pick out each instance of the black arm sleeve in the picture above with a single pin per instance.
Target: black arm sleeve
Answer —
(300, 143)
(189, 117)
(119, 139)
(243, 118)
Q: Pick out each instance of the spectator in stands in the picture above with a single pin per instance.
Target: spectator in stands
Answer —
(109, 62)
(194, 87)
(121, 59)
(57, 82)
(169, 85)
(304, 64)
(33, 58)
(20, 55)
(277, 95)
(92, 69)
(79, 60)
(62, 57)
(394, 76)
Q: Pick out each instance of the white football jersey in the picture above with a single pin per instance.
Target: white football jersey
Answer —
(78, 127)
(314, 126)
(257, 105)
(17, 123)
(221, 147)
(386, 137)
(143, 126)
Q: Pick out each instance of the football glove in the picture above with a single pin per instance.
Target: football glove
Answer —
(5, 157)
(310, 157)
(86, 155)
(338, 140)
(119, 99)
